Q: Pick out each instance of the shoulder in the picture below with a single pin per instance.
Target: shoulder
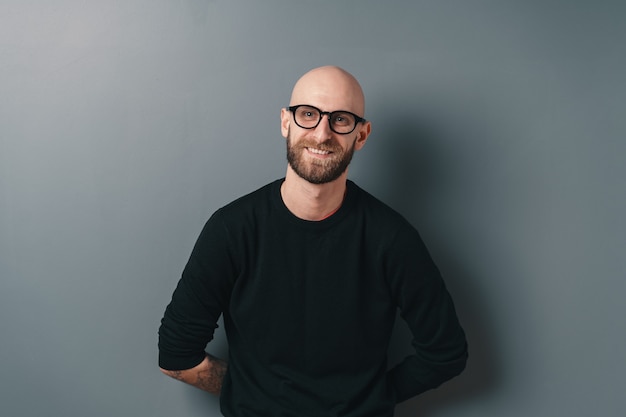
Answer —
(228, 223)
(252, 203)
(382, 223)
(394, 237)
(372, 207)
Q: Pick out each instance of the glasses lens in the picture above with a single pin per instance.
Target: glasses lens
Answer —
(342, 122)
(306, 116)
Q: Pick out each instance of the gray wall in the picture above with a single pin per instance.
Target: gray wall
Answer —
(498, 130)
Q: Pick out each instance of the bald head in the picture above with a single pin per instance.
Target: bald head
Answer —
(329, 88)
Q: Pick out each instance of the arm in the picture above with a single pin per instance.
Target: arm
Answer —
(189, 321)
(439, 342)
(208, 375)
(426, 306)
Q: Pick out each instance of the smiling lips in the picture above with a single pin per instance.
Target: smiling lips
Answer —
(319, 151)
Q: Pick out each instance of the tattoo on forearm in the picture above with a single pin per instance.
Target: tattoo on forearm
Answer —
(207, 376)
(212, 378)
(176, 374)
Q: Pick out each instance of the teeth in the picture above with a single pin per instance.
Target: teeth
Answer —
(319, 151)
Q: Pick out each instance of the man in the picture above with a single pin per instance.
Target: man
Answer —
(308, 272)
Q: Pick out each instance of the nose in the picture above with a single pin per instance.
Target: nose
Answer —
(322, 131)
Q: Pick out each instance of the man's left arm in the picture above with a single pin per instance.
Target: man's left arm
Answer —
(426, 306)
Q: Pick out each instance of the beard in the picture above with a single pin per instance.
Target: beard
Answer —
(318, 171)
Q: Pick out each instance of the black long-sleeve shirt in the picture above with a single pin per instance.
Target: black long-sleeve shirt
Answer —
(309, 308)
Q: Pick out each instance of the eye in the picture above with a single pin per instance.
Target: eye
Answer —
(343, 119)
(308, 113)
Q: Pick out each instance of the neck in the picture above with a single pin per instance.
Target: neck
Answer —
(312, 201)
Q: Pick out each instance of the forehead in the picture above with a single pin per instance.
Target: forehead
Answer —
(329, 90)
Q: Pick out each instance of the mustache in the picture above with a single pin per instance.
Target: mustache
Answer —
(328, 145)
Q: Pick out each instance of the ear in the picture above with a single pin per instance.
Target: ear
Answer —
(362, 133)
(285, 120)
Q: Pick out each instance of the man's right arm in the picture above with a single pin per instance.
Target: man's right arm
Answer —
(189, 321)
(208, 375)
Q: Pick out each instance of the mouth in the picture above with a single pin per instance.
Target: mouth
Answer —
(320, 152)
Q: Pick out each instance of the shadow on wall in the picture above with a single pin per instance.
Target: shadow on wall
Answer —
(415, 168)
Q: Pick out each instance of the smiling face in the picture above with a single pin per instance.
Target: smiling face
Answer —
(320, 155)
(318, 163)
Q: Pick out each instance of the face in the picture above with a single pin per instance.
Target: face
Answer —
(318, 162)
(319, 155)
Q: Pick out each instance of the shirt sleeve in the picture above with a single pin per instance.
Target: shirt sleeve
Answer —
(426, 306)
(202, 294)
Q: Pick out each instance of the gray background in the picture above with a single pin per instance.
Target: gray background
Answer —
(498, 131)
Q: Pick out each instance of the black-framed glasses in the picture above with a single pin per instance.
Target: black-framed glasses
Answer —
(340, 121)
